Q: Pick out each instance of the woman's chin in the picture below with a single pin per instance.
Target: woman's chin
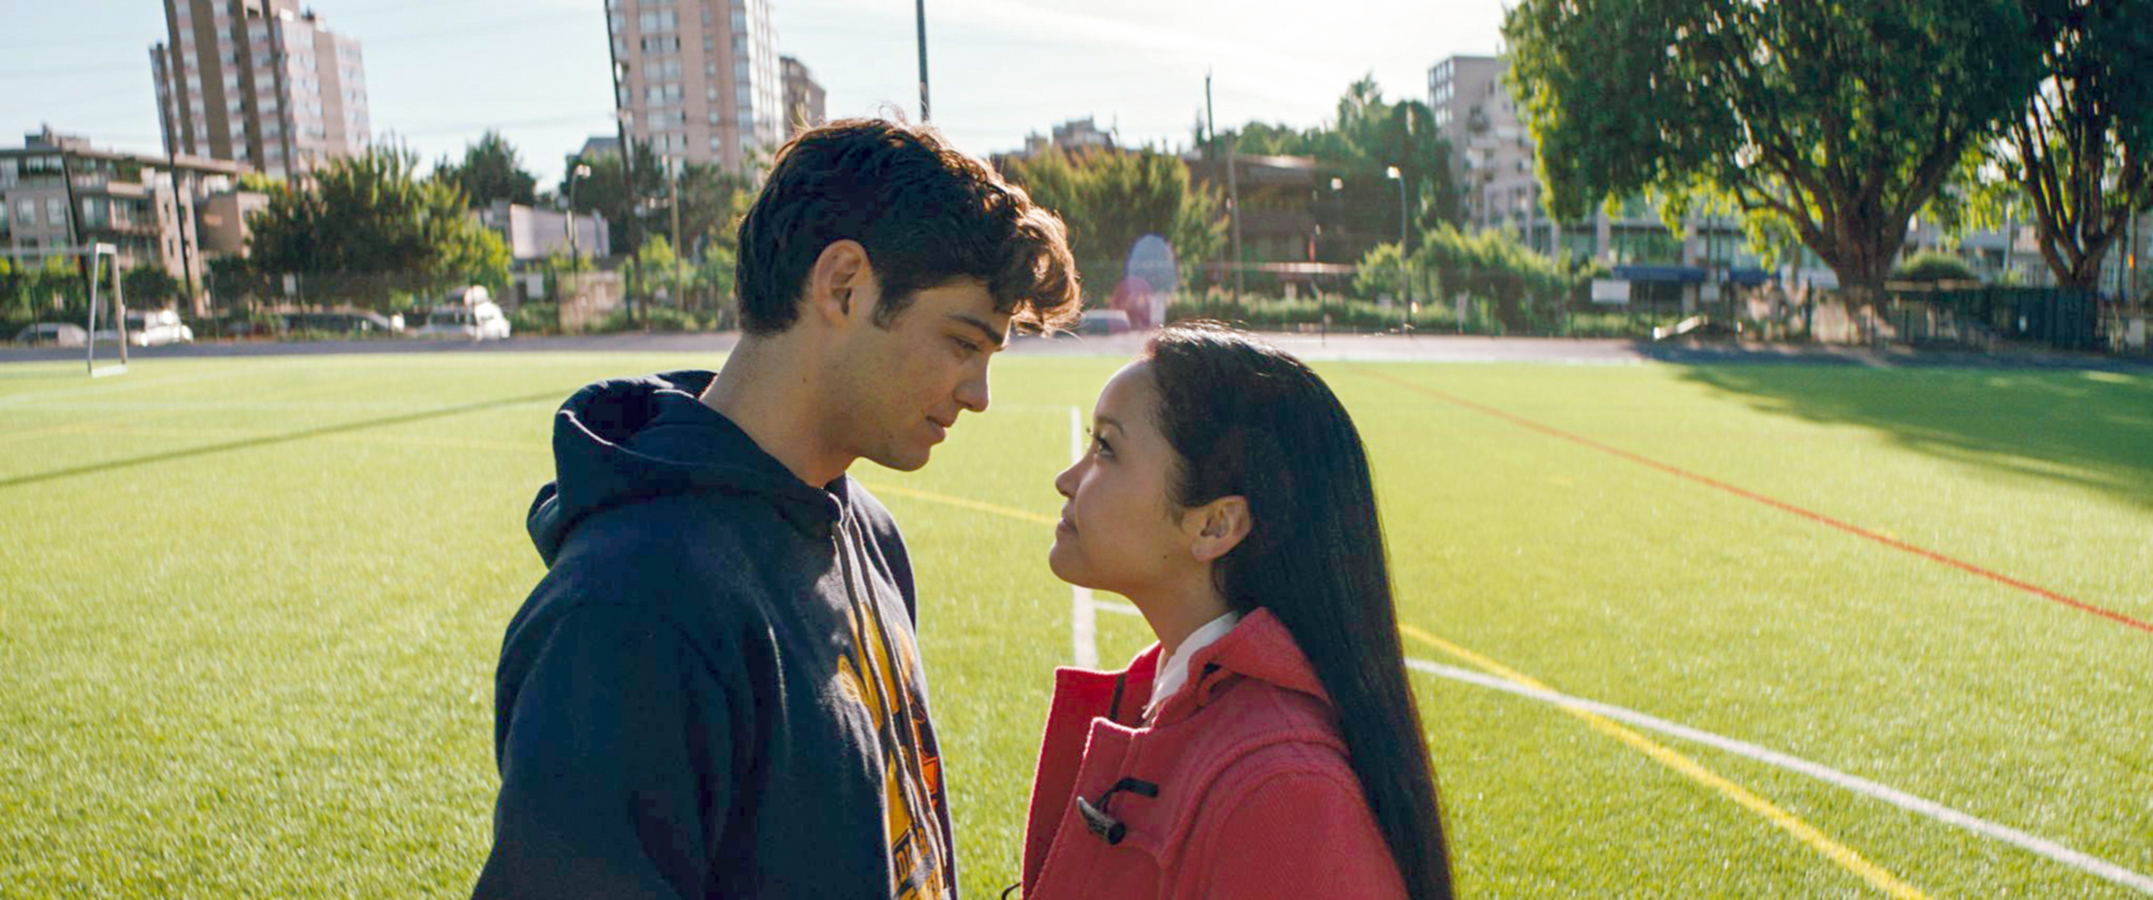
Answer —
(1064, 568)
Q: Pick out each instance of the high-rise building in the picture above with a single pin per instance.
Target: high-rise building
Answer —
(260, 83)
(699, 79)
(1491, 152)
(803, 98)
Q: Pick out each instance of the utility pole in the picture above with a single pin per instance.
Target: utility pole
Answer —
(1233, 184)
(621, 116)
(920, 7)
(680, 281)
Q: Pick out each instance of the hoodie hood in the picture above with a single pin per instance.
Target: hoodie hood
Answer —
(628, 440)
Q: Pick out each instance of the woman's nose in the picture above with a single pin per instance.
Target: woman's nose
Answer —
(1065, 483)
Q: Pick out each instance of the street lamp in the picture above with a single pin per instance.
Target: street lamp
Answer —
(580, 171)
(1393, 174)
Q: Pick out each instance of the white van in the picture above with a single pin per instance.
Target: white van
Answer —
(468, 313)
(151, 328)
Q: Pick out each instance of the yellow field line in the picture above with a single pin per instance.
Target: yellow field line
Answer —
(960, 502)
(1839, 853)
(1808, 834)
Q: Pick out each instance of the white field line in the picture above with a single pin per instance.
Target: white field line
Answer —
(1083, 618)
(1937, 811)
(1865, 787)
(132, 384)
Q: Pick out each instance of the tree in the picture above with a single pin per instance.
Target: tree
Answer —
(2079, 146)
(605, 191)
(1523, 286)
(1840, 120)
(1110, 199)
(368, 229)
(489, 172)
(150, 286)
(1366, 138)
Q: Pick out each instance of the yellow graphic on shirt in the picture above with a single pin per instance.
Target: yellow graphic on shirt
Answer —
(912, 771)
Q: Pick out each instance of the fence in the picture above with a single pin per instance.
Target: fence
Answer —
(1962, 318)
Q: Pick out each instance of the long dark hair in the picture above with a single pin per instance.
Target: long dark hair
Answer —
(1248, 419)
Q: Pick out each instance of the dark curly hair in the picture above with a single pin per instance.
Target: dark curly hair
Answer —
(925, 214)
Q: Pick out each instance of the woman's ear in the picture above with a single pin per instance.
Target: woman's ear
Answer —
(1221, 526)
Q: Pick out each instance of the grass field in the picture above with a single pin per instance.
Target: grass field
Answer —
(250, 610)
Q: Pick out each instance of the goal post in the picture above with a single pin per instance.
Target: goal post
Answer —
(98, 253)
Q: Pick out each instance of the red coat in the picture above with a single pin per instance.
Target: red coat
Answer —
(1240, 788)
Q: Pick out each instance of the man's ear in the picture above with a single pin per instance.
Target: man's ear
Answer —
(841, 281)
(1219, 526)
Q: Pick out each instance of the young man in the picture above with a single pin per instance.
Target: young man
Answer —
(715, 690)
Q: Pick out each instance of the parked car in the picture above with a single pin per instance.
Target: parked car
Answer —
(480, 322)
(343, 321)
(53, 334)
(152, 328)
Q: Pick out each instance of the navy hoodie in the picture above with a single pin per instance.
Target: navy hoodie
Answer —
(715, 690)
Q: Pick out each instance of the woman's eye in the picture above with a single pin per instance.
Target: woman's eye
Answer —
(965, 347)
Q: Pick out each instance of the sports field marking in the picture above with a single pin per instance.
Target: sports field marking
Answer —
(1083, 612)
(250, 443)
(137, 383)
(1819, 518)
(1808, 834)
(1605, 717)
(899, 490)
(2037, 845)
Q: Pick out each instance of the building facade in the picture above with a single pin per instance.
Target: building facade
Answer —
(804, 98)
(57, 193)
(1493, 163)
(260, 83)
(699, 80)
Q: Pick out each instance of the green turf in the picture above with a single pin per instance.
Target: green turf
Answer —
(250, 608)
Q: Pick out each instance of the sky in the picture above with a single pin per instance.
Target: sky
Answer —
(441, 72)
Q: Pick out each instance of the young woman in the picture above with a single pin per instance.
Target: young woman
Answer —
(1267, 745)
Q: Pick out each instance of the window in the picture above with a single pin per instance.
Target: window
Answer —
(56, 210)
(26, 210)
(665, 20)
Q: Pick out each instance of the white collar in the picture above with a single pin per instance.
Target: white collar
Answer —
(1175, 671)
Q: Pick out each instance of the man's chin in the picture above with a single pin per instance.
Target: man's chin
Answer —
(902, 461)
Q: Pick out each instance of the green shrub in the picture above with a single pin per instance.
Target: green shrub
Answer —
(535, 318)
(1934, 266)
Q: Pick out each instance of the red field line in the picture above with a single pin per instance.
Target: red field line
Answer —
(1778, 504)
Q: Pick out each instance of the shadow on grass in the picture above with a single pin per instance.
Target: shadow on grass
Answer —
(271, 440)
(2090, 429)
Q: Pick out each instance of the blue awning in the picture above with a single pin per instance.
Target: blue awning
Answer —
(1661, 274)
(1749, 276)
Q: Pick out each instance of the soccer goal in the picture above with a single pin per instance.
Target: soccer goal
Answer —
(98, 254)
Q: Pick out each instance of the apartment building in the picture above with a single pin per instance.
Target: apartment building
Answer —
(260, 83)
(57, 192)
(699, 80)
(804, 98)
